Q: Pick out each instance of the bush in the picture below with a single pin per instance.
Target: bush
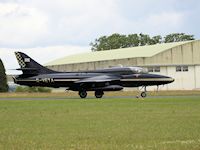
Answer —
(26, 89)
(44, 90)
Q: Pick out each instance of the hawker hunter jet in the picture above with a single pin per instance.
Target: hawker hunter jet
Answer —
(99, 81)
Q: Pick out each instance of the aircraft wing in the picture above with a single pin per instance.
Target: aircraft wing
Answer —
(99, 79)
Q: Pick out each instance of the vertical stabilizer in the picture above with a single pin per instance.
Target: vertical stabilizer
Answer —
(30, 66)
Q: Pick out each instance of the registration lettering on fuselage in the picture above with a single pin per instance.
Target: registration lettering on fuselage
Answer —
(45, 80)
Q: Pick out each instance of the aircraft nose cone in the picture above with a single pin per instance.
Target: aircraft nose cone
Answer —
(172, 79)
(168, 79)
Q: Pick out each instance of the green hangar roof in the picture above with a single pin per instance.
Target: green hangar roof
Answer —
(124, 53)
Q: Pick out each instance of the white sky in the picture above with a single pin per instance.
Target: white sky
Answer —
(49, 29)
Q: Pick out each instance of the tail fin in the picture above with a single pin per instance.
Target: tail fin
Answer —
(30, 67)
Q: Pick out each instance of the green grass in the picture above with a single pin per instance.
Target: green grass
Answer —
(153, 123)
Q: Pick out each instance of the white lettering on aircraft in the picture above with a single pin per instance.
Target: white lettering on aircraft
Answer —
(45, 80)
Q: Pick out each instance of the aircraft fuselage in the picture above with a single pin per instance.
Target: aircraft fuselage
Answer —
(68, 80)
(110, 79)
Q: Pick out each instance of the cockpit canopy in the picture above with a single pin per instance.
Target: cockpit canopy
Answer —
(138, 70)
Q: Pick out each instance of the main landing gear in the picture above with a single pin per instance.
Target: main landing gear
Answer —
(82, 94)
(98, 94)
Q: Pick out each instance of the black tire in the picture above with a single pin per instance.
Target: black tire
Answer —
(99, 94)
(143, 94)
(82, 94)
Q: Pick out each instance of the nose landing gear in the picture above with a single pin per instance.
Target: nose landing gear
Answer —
(144, 93)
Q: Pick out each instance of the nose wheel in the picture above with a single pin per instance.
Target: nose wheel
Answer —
(143, 94)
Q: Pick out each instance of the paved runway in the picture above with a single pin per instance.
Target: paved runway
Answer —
(36, 98)
(90, 97)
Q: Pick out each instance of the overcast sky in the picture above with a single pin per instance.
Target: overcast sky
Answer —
(49, 29)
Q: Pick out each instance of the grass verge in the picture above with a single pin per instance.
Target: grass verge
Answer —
(153, 123)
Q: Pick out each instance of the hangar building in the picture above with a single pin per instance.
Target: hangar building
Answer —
(180, 60)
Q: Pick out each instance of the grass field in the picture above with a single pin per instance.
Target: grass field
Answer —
(154, 123)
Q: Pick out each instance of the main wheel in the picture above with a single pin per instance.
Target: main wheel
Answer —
(99, 94)
(143, 94)
(83, 94)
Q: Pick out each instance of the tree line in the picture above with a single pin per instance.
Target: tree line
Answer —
(3, 78)
(116, 40)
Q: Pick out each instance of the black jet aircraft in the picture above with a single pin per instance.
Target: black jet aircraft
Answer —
(99, 81)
